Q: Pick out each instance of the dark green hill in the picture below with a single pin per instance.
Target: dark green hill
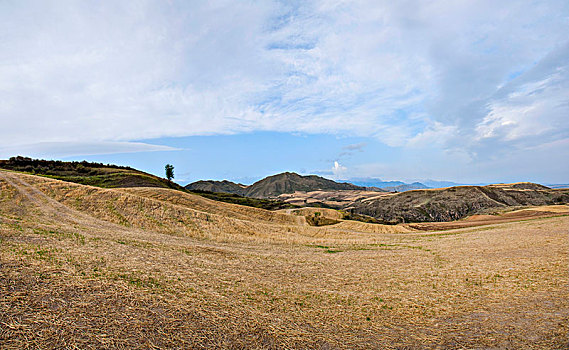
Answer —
(276, 185)
(273, 186)
(217, 186)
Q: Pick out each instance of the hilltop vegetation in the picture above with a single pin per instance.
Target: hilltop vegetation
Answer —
(88, 173)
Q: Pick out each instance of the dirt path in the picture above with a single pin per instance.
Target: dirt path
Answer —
(52, 212)
(52, 208)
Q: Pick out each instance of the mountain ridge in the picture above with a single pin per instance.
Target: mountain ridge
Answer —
(274, 185)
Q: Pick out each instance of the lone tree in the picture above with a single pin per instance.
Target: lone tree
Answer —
(169, 171)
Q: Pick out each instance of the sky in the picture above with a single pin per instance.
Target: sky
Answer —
(466, 91)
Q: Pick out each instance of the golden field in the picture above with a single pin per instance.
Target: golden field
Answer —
(149, 268)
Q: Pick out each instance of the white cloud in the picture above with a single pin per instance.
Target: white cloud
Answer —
(436, 134)
(532, 109)
(355, 147)
(349, 150)
(338, 170)
(69, 149)
(408, 73)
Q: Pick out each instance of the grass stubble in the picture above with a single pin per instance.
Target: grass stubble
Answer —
(83, 267)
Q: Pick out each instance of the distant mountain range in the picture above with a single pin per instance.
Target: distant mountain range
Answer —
(372, 182)
(401, 186)
(406, 187)
(558, 185)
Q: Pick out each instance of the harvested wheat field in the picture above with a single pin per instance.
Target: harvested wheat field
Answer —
(148, 268)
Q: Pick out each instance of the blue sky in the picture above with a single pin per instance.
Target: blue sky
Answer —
(247, 157)
(469, 91)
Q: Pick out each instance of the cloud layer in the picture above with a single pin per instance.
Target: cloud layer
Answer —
(468, 77)
(71, 149)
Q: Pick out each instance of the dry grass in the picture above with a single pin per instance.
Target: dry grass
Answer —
(211, 206)
(78, 272)
(333, 198)
(498, 217)
(328, 213)
(552, 209)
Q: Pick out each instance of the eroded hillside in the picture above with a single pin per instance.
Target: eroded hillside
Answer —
(455, 203)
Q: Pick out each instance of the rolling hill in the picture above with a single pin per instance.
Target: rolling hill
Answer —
(273, 186)
(291, 190)
(114, 176)
(150, 267)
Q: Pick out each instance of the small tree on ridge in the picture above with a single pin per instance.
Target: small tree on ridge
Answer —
(169, 171)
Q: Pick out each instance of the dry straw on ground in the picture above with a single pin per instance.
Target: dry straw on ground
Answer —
(84, 267)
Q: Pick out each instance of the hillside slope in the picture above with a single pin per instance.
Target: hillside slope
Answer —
(161, 210)
(273, 186)
(456, 202)
(113, 176)
(87, 173)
